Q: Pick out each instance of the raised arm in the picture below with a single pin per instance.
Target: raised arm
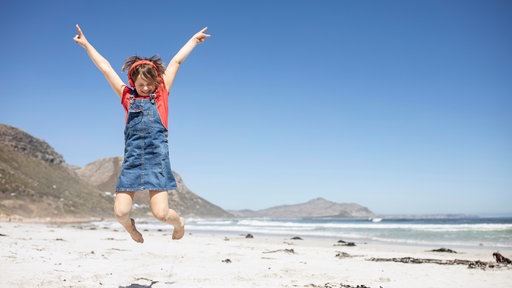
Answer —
(103, 65)
(174, 65)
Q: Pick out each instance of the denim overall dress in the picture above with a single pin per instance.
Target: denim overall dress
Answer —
(146, 164)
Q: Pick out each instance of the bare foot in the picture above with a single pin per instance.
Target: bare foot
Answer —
(179, 231)
(136, 236)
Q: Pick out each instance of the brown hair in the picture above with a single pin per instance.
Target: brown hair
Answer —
(146, 71)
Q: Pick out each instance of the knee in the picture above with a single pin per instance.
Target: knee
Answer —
(123, 205)
(160, 214)
(121, 212)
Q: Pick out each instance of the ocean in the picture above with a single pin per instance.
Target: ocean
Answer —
(455, 232)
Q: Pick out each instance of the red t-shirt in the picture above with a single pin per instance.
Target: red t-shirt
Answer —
(162, 102)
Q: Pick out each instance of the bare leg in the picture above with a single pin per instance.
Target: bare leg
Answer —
(122, 208)
(159, 202)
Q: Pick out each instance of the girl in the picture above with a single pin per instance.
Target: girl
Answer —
(146, 164)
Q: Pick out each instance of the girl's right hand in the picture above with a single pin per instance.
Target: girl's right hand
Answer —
(201, 36)
(80, 37)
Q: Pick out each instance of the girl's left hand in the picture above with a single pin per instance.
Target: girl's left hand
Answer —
(80, 37)
(201, 36)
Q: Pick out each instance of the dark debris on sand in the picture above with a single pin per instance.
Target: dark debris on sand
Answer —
(289, 251)
(472, 264)
(344, 243)
(337, 285)
(500, 258)
(149, 283)
(444, 250)
(340, 254)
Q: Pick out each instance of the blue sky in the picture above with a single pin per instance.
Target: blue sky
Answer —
(400, 106)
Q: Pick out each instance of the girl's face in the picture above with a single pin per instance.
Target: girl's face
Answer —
(144, 87)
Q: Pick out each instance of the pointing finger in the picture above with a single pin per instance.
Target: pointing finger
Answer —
(79, 31)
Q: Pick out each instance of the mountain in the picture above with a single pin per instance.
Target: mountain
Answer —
(35, 181)
(315, 208)
(103, 175)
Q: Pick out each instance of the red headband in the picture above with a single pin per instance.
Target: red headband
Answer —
(138, 63)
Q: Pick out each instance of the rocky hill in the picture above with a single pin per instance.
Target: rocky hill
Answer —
(103, 175)
(315, 208)
(35, 181)
(21, 142)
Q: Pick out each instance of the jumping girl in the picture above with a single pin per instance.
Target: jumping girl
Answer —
(146, 164)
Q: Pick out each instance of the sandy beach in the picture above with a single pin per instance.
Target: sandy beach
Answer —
(82, 255)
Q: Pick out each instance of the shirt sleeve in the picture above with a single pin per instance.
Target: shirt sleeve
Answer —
(125, 99)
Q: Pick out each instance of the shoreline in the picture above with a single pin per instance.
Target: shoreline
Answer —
(142, 221)
(78, 255)
(198, 227)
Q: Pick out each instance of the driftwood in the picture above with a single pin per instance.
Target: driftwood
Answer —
(334, 285)
(289, 251)
(470, 263)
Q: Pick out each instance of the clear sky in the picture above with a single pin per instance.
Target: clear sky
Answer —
(400, 106)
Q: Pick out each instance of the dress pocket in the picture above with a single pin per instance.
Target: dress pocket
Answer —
(135, 118)
(139, 121)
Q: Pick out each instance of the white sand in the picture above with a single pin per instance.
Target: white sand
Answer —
(45, 255)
